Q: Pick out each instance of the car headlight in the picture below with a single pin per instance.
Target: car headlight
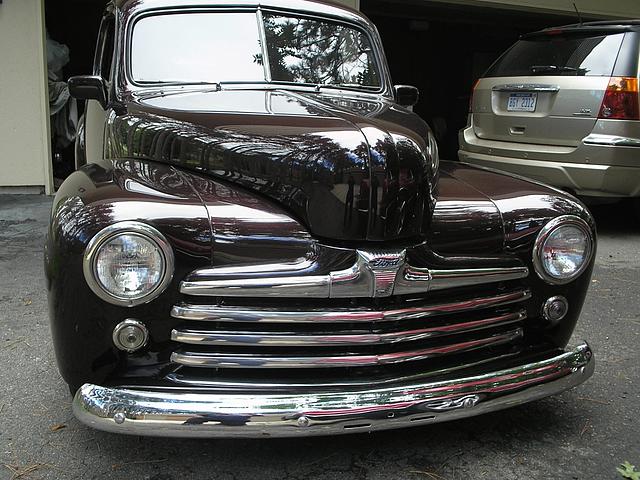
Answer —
(128, 263)
(563, 249)
(434, 155)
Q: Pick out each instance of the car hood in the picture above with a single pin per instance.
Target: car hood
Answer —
(348, 168)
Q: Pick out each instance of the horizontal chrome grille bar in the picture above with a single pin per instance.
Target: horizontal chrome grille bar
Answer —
(217, 313)
(288, 383)
(374, 274)
(272, 339)
(224, 360)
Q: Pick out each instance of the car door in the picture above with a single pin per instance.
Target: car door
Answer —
(95, 114)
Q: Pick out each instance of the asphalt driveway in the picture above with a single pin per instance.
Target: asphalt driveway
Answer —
(581, 434)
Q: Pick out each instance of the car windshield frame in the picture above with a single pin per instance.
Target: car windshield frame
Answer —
(377, 56)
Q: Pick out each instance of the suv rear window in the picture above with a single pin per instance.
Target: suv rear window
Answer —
(573, 55)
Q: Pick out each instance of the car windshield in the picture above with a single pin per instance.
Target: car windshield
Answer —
(573, 55)
(218, 47)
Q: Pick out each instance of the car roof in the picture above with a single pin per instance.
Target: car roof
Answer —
(311, 6)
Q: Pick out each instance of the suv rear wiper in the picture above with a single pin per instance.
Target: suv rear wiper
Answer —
(551, 69)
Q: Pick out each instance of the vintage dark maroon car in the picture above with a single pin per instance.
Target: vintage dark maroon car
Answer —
(260, 240)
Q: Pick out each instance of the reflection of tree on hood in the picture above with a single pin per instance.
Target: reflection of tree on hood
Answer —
(311, 51)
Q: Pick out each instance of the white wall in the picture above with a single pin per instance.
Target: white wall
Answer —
(24, 111)
(350, 3)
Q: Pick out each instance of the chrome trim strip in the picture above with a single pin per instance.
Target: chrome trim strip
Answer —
(299, 287)
(411, 280)
(263, 45)
(277, 339)
(294, 266)
(374, 274)
(187, 413)
(526, 87)
(239, 360)
(217, 313)
(610, 140)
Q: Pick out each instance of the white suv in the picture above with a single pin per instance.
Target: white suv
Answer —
(561, 106)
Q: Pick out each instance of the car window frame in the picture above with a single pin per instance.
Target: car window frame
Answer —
(380, 60)
(107, 26)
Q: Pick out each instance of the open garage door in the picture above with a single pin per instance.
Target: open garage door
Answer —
(74, 24)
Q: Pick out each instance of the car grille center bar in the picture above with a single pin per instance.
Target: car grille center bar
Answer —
(374, 274)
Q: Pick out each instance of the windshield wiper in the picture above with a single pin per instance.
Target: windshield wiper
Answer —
(551, 69)
(346, 85)
(173, 83)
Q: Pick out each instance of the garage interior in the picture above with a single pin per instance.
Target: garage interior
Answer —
(443, 49)
(80, 37)
(440, 48)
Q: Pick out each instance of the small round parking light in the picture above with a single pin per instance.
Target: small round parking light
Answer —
(555, 309)
(130, 335)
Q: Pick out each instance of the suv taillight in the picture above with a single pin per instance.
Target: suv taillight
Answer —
(621, 99)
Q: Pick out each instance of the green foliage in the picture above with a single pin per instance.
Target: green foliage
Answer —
(628, 471)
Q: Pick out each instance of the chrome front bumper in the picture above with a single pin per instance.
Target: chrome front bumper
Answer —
(178, 413)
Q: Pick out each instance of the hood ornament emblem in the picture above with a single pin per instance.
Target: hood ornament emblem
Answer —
(373, 275)
(383, 267)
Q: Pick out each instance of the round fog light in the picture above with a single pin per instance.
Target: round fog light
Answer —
(555, 308)
(130, 335)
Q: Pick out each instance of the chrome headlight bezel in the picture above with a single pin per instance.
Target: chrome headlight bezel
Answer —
(127, 228)
(544, 234)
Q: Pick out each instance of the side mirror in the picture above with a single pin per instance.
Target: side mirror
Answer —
(89, 87)
(406, 95)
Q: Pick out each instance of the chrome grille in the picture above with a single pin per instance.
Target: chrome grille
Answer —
(221, 337)
(220, 313)
(288, 339)
(251, 360)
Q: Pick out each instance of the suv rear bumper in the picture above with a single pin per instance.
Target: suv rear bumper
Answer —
(190, 413)
(601, 166)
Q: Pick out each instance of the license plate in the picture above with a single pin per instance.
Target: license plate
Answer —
(522, 102)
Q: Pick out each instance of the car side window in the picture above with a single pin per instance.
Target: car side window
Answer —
(104, 50)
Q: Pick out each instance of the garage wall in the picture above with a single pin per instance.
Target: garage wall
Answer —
(24, 127)
(597, 8)
(350, 3)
